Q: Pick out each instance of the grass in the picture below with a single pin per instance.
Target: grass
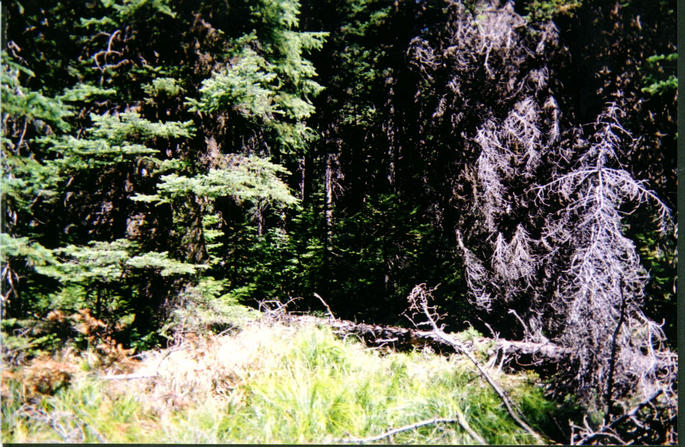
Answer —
(272, 383)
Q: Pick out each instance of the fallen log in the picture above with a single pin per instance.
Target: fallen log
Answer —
(512, 353)
(523, 353)
(401, 338)
(129, 376)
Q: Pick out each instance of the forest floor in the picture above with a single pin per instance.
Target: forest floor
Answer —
(270, 381)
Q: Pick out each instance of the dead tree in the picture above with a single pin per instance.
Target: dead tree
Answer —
(545, 245)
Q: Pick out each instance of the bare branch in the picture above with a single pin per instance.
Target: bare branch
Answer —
(330, 312)
(418, 299)
(459, 419)
(606, 430)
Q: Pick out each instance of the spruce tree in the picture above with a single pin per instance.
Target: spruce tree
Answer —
(114, 180)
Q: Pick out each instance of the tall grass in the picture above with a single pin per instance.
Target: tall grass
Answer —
(277, 384)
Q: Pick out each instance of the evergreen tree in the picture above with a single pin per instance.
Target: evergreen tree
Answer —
(125, 185)
(27, 179)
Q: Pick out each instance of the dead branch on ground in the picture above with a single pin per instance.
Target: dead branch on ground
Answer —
(330, 312)
(459, 420)
(275, 309)
(587, 435)
(513, 353)
(418, 300)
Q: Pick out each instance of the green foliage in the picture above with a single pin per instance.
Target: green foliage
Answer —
(112, 140)
(209, 306)
(44, 174)
(660, 258)
(98, 261)
(273, 87)
(106, 262)
(105, 269)
(279, 263)
(32, 253)
(18, 101)
(26, 180)
(358, 66)
(543, 10)
(17, 346)
(383, 251)
(244, 84)
(25, 176)
(84, 408)
(659, 77)
(162, 262)
(252, 179)
(126, 9)
(117, 129)
(163, 86)
(130, 125)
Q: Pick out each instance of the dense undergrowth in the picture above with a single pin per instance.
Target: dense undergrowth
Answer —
(266, 382)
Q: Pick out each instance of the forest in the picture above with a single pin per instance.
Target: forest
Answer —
(397, 200)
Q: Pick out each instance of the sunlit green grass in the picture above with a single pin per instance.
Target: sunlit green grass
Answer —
(300, 386)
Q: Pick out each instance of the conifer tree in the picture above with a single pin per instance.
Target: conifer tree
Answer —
(116, 180)
(27, 179)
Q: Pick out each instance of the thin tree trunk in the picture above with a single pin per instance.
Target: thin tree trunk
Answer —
(303, 177)
(97, 301)
(328, 221)
(614, 350)
(260, 221)
(328, 186)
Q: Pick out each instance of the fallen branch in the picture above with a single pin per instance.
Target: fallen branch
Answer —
(129, 376)
(462, 421)
(606, 430)
(419, 301)
(330, 312)
(276, 309)
(404, 428)
(405, 338)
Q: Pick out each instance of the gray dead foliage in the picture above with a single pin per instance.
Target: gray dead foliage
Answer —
(547, 244)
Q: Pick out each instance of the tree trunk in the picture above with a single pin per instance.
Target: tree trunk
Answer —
(515, 354)
(328, 186)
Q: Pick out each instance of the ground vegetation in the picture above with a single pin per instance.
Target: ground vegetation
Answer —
(175, 169)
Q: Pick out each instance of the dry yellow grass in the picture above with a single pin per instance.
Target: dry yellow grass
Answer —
(203, 368)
